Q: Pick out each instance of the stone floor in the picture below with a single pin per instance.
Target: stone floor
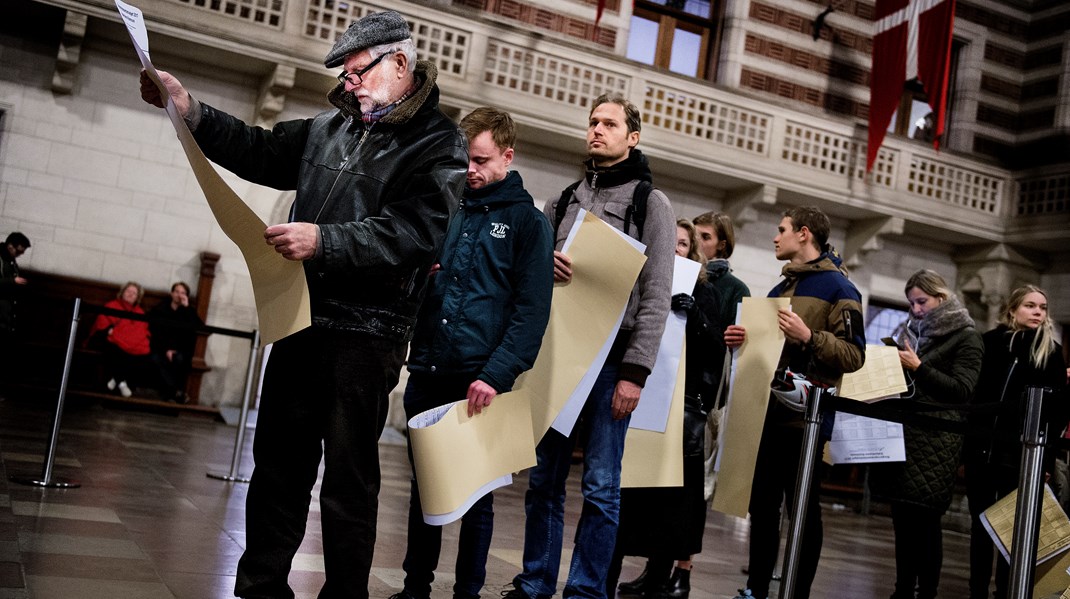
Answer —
(147, 522)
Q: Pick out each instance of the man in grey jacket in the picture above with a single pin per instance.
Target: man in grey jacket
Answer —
(613, 170)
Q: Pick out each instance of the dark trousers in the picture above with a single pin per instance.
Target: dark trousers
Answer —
(9, 368)
(775, 473)
(137, 371)
(324, 396)
(173, 372)
(919, 550)
(477, 525)
(985, 484)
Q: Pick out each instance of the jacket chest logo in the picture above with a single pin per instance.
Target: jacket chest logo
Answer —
(497, 230)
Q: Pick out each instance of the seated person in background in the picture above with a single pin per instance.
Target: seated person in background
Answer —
(173, 336)
(125, 342)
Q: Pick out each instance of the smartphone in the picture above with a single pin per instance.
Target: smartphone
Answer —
(889, 341)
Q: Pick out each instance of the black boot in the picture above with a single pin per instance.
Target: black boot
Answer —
(637, 586)
(677, 587)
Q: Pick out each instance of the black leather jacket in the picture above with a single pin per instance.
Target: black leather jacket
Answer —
(382, 195)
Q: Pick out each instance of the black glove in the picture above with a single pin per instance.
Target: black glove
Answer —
(682, 302)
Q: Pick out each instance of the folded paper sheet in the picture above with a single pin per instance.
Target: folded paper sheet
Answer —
(1054, 525)
(748, 399)
(653, 410)
(584, 317)
(653, 459)
(279, 286)
(653, 448)
(1053, 559)
(880, 376)
(459, 459)
(861, 440)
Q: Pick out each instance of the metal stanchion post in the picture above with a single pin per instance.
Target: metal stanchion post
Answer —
(1030, 492)
(239, 442)
(46, 479)
(793, 551)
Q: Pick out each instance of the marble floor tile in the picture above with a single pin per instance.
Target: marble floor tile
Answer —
(82, 588)
(148, 522)
(59, 510)
(30, 542)
(89, 567)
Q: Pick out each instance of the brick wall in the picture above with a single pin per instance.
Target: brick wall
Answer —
(536, 16)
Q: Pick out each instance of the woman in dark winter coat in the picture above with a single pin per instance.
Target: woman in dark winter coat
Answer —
(1020, 352)
(666, 524)
(941, 352)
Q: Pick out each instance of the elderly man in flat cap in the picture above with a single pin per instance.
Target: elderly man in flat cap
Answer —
(377, 180)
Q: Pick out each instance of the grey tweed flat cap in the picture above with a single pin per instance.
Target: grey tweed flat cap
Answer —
(374, 29)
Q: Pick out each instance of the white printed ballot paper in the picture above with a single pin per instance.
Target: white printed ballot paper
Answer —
(857, 439)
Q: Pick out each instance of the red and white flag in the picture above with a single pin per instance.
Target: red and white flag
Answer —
(598, 14)
(912, 38)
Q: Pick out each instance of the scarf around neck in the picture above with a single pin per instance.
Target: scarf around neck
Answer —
(949, 317)
(633, 168)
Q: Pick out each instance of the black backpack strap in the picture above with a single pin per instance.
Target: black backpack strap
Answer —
(637, 211)
(562, 204)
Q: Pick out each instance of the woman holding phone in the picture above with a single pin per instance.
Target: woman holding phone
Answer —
(940, 351)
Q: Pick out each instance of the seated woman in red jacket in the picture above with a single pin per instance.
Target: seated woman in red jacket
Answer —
(125, 342)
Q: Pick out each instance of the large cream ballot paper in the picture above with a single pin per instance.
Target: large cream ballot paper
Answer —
(748, 398)
(459, 458)
(279, 286)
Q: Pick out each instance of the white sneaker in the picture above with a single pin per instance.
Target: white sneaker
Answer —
(124, 390)
(111, 384)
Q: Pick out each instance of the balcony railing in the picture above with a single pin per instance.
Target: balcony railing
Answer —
(549, 82)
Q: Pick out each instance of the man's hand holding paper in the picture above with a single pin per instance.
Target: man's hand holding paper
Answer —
(294, 241)
(150, 92)
(480, 395)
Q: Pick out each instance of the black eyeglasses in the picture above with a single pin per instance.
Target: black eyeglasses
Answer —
(345, 77)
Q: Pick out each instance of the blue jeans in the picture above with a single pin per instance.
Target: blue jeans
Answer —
(424, 543)
(544, 502)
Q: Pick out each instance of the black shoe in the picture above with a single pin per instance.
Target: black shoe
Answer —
(517, 593)
(405, 594)
(677, 587)
(637, 586)
(514, 593)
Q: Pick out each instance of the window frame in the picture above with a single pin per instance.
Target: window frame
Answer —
(670, 19)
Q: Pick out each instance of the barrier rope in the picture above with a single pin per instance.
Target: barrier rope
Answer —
(170, 323)
(913, 413)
